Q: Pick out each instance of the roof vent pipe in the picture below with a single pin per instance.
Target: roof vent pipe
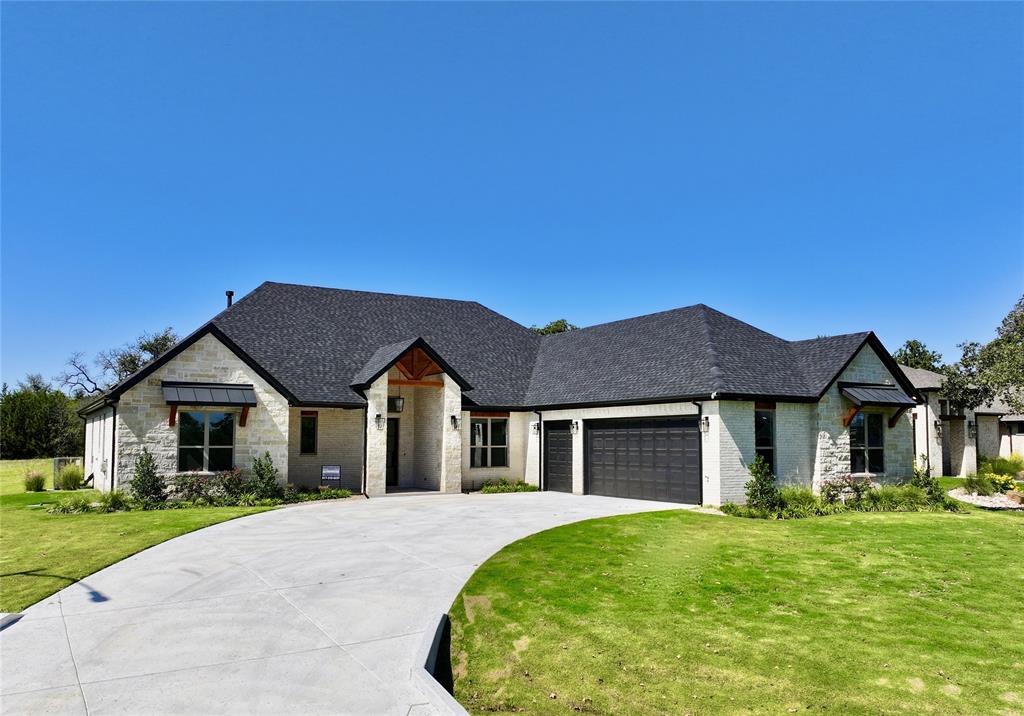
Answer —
(231, 296)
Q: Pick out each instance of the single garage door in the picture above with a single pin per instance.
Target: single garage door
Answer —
(646, 459)
(558, 456)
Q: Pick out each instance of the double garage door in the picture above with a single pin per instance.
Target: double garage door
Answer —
(647, 459)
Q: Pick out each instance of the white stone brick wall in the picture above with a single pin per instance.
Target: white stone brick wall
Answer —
(796, 427)
(142, 414)
(339, 441)
(451, 437)
(428, 427)
(832, 454)
(735, 427)
(520, 440)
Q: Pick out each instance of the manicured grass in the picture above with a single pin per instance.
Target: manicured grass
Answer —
(12, 474)
(686, 613)
(42, 553)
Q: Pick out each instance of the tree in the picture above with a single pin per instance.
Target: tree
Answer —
(994, 370)
(114, 365)
(915, 354)
(36, 420)
(559, 326)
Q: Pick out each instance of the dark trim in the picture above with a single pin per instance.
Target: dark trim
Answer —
(434, 356)
(366, 418)
(540, 449)
(320, 404)
(113, 451)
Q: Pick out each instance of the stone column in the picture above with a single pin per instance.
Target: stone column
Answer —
(451, 438)
(376, 439)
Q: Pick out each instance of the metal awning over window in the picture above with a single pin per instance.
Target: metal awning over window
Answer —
(883, 396)
(219, 394)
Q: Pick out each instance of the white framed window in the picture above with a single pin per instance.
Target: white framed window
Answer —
(488, 442)
(867, 443)
(206, 441)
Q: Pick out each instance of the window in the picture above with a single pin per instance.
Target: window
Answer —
(206, 441)
(764, 435)
(307, 432)
(867, 449)
(488, 442)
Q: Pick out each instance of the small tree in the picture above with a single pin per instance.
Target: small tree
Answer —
(762, 494)
(264, 478)
(915, 354)
(559, 326)
(146, 484)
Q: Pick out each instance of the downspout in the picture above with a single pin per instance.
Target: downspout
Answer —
(113, 450)
(927, 438)
(540, 449)
(700, 445)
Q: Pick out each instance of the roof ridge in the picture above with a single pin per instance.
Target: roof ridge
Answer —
(369, 293)
(625, 320)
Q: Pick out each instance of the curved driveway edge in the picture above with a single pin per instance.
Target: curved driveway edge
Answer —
(316, 608)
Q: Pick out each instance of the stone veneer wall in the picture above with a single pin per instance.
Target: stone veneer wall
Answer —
(988, 436)
(376, 440)
(427, 424)
(142, 414)
(339, 441)
(832, 455)
(519, 439)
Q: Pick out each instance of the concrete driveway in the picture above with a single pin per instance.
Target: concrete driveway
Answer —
(316, 608)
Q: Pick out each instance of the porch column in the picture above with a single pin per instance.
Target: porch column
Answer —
(451, 438)
(376, 439)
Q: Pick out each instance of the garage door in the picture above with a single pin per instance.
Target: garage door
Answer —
(558, 456)
(647, 459)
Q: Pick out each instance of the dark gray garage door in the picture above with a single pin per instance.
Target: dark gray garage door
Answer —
(648, 459)
(558, 456)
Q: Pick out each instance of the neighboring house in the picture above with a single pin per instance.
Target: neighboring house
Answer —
(403, 392)
(955, 439)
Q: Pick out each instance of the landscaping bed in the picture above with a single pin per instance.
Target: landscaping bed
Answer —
(683, 613)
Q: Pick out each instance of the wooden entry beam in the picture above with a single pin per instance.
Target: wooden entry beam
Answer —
(850, 415)
(896, 416)
(417, 383)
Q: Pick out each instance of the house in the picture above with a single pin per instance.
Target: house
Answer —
(954, 438)
(402, 392)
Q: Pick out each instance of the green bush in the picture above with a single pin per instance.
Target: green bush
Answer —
(762, 494)
(1001, 483)
(114, 501)
(979, 485)
(294, 494)
(71, 505)
(930, 485)
(190, 486)
(34, 481)
(506, 485)
(263, 483)
(146, 483)
(1010, 466)
(70, 477)
(800, 502)
(233, 483)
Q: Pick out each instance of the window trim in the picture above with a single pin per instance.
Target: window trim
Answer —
(205, 447)
(866, 448)
(316, 431)
(488, 446)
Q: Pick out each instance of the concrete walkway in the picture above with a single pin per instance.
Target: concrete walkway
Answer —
(311, 609)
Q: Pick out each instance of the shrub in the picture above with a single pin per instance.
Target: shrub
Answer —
(34, 481)
(1011, 466)
(71, 477)
(506, 485)
(297, 494)
(930, 485)
(263, 483)
(233, 483)
(193, 486)
(71, 505)
(846, 488)
(146, 484)
(979, 485)
(1001, 483)
(114, 501)
(762, 494)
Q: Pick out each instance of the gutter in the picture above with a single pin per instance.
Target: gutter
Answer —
(362, 482)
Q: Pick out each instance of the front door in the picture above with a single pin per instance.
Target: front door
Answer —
(392, 469)
(558, 456)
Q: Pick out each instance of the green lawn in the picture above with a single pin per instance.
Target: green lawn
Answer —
(41, 553)
(685, 613)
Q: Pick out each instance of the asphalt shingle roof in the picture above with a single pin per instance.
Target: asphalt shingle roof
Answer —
(321, 345)
(923, 379)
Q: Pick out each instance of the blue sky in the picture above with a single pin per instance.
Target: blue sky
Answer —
(809, 168)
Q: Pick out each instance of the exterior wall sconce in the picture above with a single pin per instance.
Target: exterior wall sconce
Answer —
(705, 424)
(379, 420)
(456, 422)
(535, 428)
(938, 427)
(972, 429)
(574, 426)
